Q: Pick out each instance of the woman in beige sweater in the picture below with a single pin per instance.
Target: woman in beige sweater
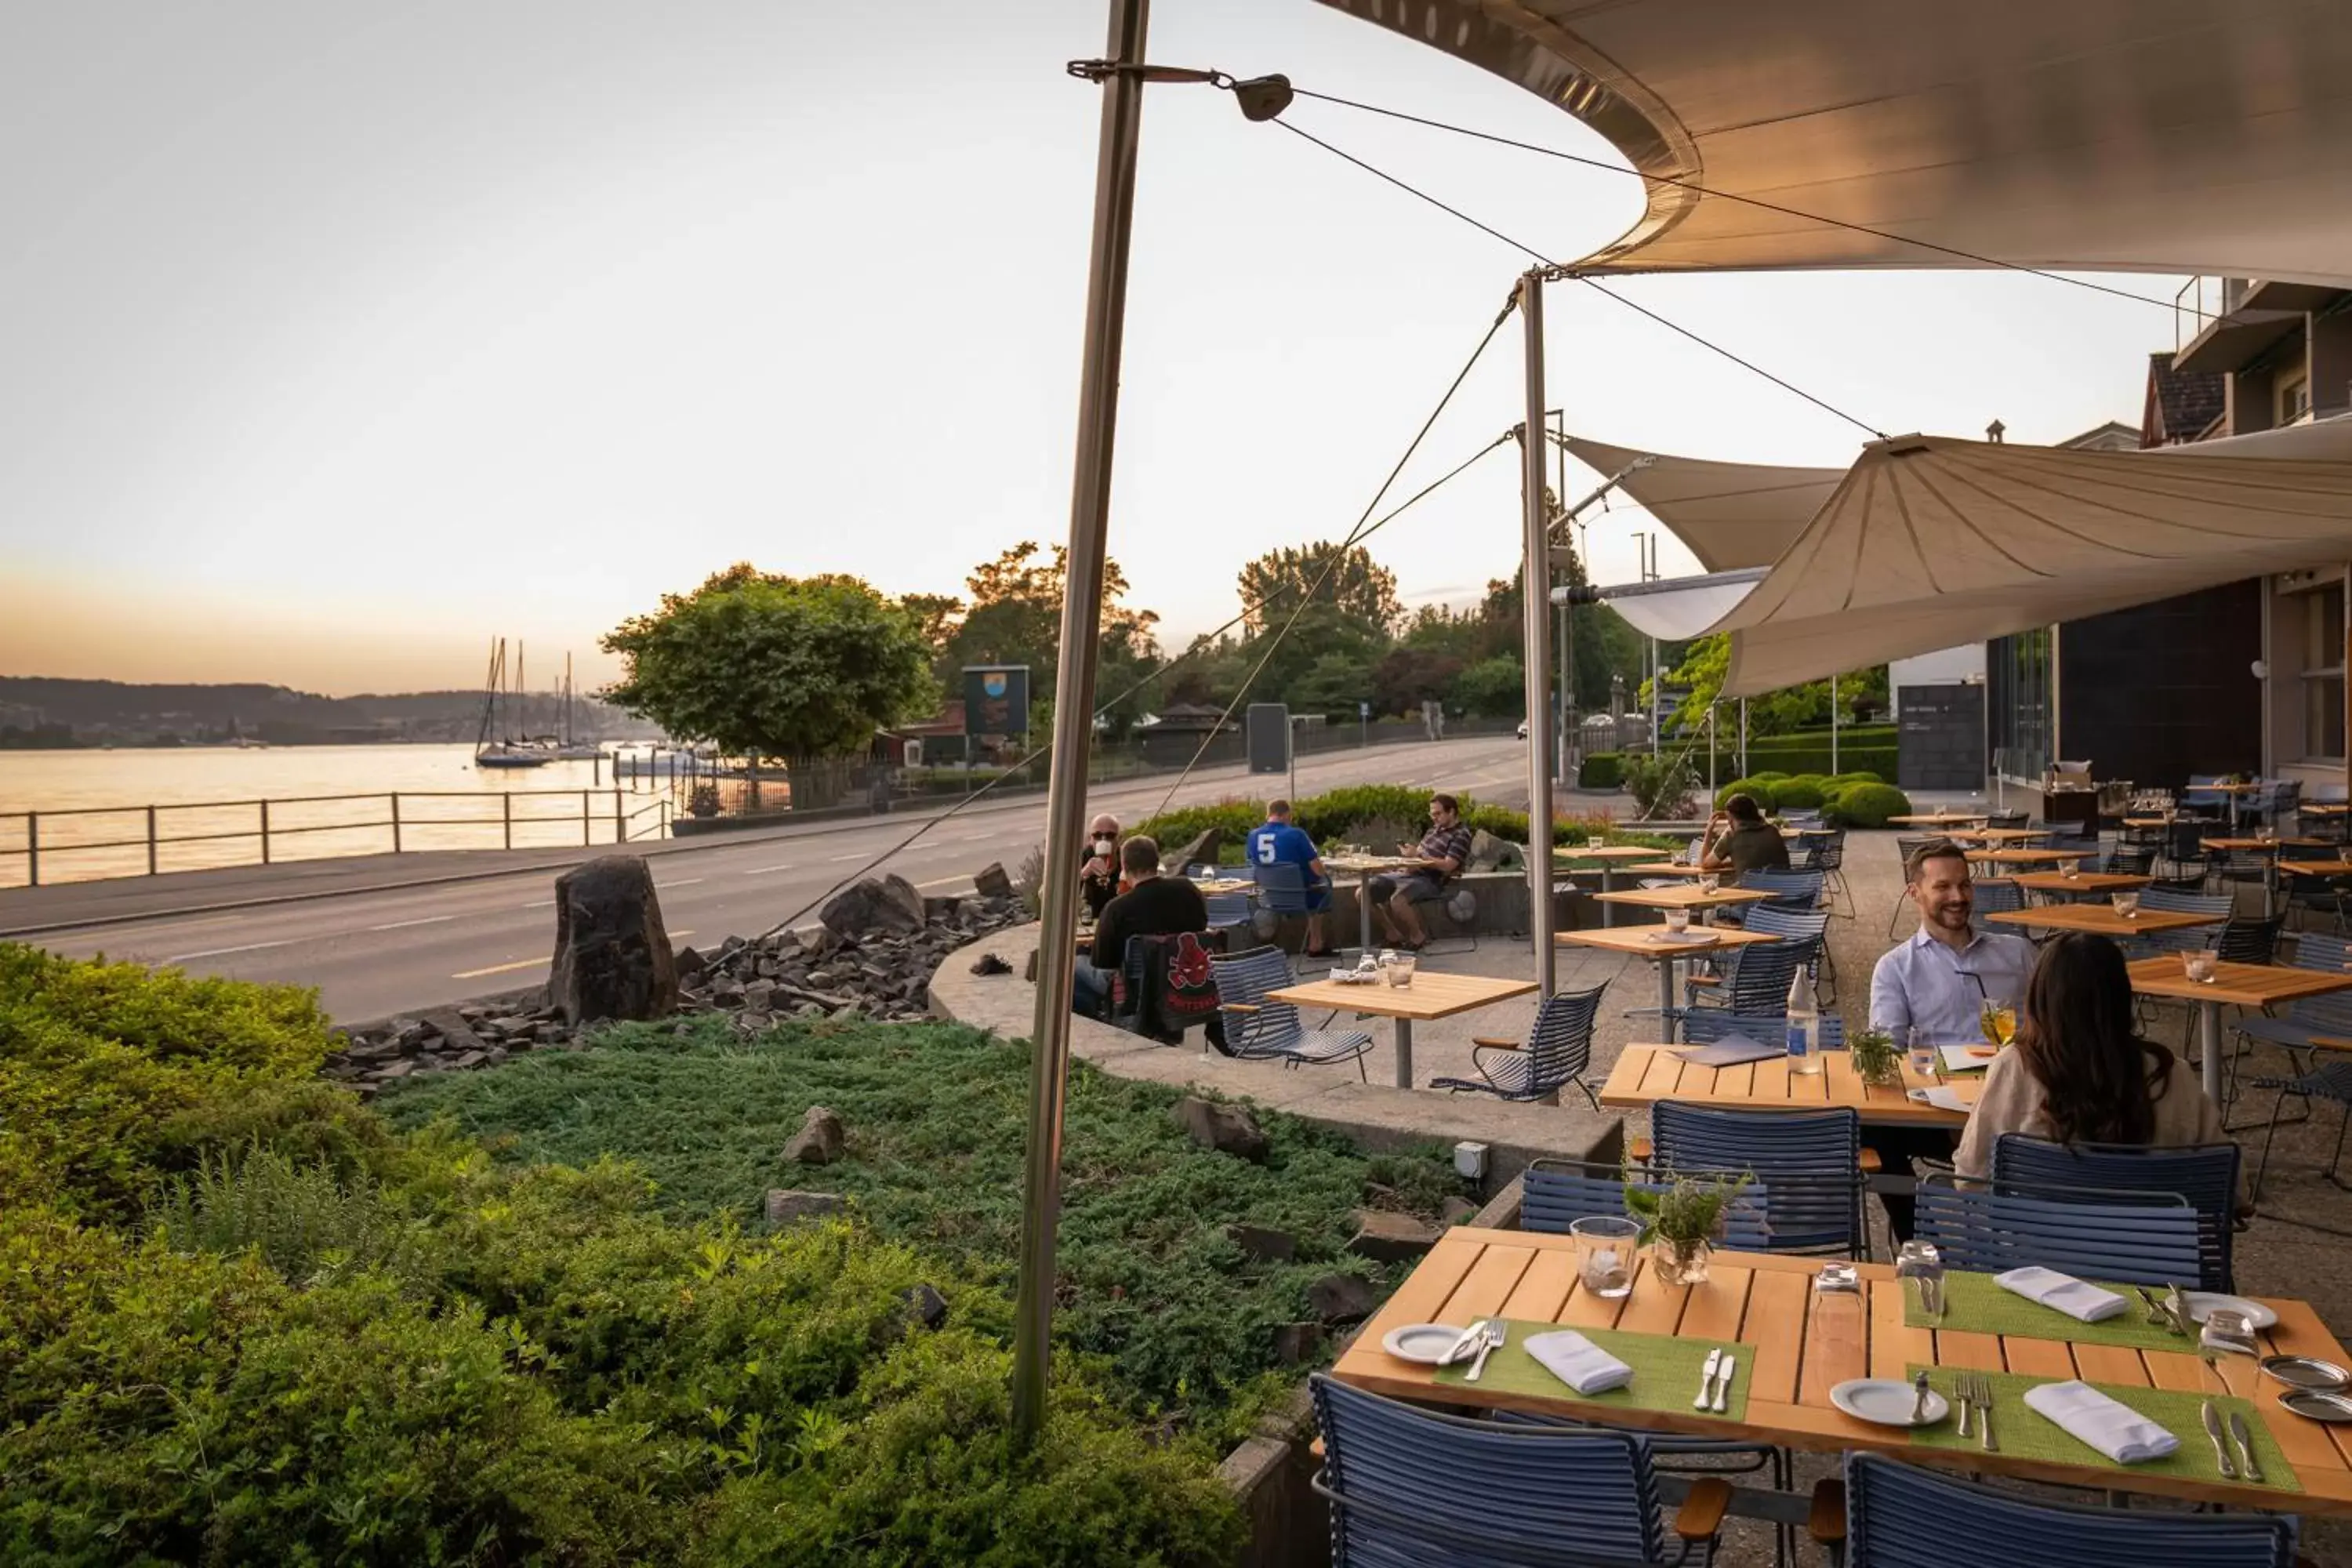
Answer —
(2079, 1072)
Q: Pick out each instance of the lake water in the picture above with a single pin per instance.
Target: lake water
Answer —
(445, 802)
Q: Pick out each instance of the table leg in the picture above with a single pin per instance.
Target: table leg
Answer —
(1364, 913)
(1404, 1053)
(1666, 998)
(1608, 885)
(2209, 1037)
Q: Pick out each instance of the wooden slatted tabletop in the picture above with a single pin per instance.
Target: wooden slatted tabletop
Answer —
(1606, 852)
(1692, 898)
(2026, 857)
(1799, 1344)
(2080, 882)
(1998, 835)
(1937, 818)
(2317, 867)
(2103, 919)
(2266, 846)
(2234, 985)
(1431, 996)
(1644, 1075)
(1643, 940)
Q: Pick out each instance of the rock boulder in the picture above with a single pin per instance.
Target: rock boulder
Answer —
(1227, 1129)
(1203, 850)
(613, 959)
(885, 905)
(820, 1140)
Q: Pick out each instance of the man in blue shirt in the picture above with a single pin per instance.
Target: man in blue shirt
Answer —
(1940, 979)
(1275, 842)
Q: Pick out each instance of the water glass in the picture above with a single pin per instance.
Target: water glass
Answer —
(1399, 971)
(1709, 882)
(1920, 1261)
(1593, 841)
(1925, 1057)
(1605, 1247)
(1679, 921)
(2198, 963)
(2127, 904)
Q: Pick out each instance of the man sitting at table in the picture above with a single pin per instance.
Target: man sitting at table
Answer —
(1934, 986)
(1738, 840)
(1153, 905)
(1276, 842)
(1435, 861)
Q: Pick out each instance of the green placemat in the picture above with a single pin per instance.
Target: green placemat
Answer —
(2026, 1435)
(1665, 1370)
(1973, 1304)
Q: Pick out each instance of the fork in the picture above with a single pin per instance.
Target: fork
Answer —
(1984, 1414)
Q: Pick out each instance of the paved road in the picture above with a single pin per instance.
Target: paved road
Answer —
(389, 950)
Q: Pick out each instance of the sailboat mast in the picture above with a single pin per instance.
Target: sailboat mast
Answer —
(567, 699)
(489, 701)
(522, 695)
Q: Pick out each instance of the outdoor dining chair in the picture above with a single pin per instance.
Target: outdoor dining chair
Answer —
(1899, 1515)
(2307, 1019)
(1704, 1026)
(1825, 854)
(2205, 1176)
(2328, 1080)
(1557, 1050)
(1281, 895)
(1412, 1485)
(2134, 1237)
(1792, 890)
(2187, 939)
(1809, 1161)
(1995, 896)
(1754, 978)
(1262, 1029)
(1798, 926)
(1906, 846)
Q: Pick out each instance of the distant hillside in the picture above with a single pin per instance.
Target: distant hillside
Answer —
(44, 712)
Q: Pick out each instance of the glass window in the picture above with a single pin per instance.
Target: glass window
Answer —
(2323, 673)
(2018, 692)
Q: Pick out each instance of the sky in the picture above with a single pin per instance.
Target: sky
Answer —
(337, 340)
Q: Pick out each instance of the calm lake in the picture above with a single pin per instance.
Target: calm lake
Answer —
(445, 802)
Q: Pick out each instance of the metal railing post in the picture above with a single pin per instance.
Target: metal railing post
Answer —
(151, 840)
(265, 832)
(619, 823)
(505, 816)
(395, 822)
(33, 848)
(583, 819)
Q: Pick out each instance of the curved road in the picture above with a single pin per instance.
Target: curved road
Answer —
(380, 950)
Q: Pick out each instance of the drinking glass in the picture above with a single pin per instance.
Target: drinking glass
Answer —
(1923, 1054)
(1593, 841)
(1920, 1261)
(2198, 962)
(2127, 904)
(1400, 973)
(1709, 882)
(1605, 1253)
(1679, 921)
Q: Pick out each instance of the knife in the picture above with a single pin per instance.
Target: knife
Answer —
(2221, 1452)
(1469, 1341)
(1723, 1382)
(2245, 1445)
(1707, 1379)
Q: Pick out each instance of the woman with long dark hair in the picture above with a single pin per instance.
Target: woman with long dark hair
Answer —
(2080, 1073)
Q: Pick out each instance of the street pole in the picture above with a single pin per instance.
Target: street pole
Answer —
(1570, 733)
(1074, 703)
(1535, 582)
(1833, 727)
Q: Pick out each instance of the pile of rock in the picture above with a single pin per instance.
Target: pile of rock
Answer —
(872, 957)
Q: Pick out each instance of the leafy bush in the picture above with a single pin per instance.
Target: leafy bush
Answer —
(1602, 770)
(1757, 789)
(1765, 776)
(1866, 805)
(1336, 818)
(1800, 794)
(1185, 822)
(1661, 786)
(1857, 778)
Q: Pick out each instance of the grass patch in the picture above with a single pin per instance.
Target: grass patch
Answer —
(936, 1118)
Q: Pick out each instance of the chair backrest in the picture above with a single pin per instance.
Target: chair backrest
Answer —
(1789, 889)
(1998, 895)
(2135, 1237)
(1810, 1159)
(2005, 819)
(1757, 978)
(1827, 851)
(2330, 955)
(1559, 1047)
(1809, 923)
(2185, 903)
(2205, 1175)
(1246, 978)
(2244, 940)
(1396, 1477)
(1901, 1515)
(1282, 887)
(1907, 844)
(1704, 1026)
(1228, 909)
(1556, 1194)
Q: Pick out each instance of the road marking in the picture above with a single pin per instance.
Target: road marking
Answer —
(765, 870)
(402, 925)
(861, 855)
(945, 882)
(681, 883)
(219, 952)
(499, 969)
(548, 905)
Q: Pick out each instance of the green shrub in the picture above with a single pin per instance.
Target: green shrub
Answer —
(1868, 805)
(1800, 794)
(300, 1218)
(1765, 776)
(1185, 822)
(1602, 770)
(1661, 786)
(1328, 816)
(1857, 778)
(1758, 789)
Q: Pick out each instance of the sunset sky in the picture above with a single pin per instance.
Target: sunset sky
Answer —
(335, 342)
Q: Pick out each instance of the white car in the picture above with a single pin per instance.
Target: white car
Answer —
(1523, 729)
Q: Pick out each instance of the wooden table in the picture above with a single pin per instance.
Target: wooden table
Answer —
(2255, 985)
(1798, 1343)
(2232, 790)
(1429, 997)
(1939, 818)
(1610, 857)
(2316, 868)
(1686, 898)
(2323, 808)
(2084, 882)
(1358, 870)
(2026, 857)
(2103, 919)
(1646, 1074)
(1675, 869)
(1637, 939)
(1996, 836)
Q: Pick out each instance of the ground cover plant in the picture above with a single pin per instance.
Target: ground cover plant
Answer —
(246, 1319)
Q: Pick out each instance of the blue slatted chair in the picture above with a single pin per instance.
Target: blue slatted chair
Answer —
(1997, 895)
(1798, 892)
(1555, 1194)
(2306, 1020)
(2189, 937)
(2198, 797)
(2183, 851)
(2328, 1080)
(1227, 911)
(1899, 1515)
(1704, 1026)
(1557, 1050)
(1281, 895)
(2133, 1237)
(1266, 1030)
(2206, 1176)
(1826, 855)
(1810, 1161)
(2321, 895)
(1755, 978)
(1789, 925)
(1409, 1486)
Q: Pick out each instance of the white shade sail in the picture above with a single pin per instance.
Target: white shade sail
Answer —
(1675, 609)
(1929, 541)
(1730, 515)
(2148, 135)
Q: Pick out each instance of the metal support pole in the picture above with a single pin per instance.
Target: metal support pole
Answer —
(584, 839)
(151, 840)
(1743, 737)
(620, 828)
(1073, 702)
(33, 848)
(1833, 727)
(265, 832)
(395, 822)
(505, 816)
(1536, 583)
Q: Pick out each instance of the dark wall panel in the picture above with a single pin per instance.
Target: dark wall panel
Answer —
(2156, 693)
(1940, 737)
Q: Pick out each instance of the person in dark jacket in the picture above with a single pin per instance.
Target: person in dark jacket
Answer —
(1153, 905)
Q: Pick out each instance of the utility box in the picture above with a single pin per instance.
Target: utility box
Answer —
(1267, 728)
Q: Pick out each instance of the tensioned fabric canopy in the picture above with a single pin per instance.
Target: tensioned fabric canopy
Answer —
(2139, 135)
(1731, 514)
(1929, 541)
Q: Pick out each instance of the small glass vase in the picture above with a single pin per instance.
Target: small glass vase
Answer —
(1680, 1262)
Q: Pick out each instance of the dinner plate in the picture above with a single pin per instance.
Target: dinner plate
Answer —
(1423, 1342)
(2306, 1371)
(1883, 1402)
(2201, 1302)
(2313, 1404)
(1680, 938)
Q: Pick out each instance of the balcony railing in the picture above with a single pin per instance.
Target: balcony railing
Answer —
(2202, 301)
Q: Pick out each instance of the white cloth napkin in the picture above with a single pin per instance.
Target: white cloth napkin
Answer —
(2115, 1429)
(2062, 1292)
(1579, 1362)
(1942, 1096)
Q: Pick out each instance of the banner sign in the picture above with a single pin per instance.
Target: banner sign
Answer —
(996, 699)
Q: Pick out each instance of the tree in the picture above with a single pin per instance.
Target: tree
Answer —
(1491, 689)
(1409, 676)
(1705, 665)
(1359, 588)
(1015, 618)
(762, 665)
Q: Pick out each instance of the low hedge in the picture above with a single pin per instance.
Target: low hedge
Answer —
(1602, 770)
(1803, 793)
(1328, 818)
(1865, 806)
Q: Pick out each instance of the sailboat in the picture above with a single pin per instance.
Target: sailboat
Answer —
(569, 748)
(504, 752)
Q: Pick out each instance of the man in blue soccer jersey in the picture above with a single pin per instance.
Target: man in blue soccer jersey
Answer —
(1275, 841)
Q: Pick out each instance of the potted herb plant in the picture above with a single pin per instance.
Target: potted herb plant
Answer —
(1680, 1223)
(1876, 1059)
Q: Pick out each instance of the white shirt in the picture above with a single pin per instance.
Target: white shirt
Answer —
(1926, 984)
